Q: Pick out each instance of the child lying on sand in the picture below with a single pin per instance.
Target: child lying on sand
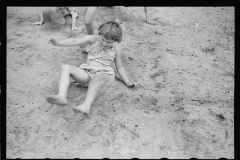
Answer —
(97, 71)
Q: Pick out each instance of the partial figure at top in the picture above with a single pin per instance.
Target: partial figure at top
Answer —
(57, 14)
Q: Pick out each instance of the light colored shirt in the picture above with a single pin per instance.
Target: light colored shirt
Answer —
(99, 59)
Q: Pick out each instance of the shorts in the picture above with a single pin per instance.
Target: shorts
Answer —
(91, 73)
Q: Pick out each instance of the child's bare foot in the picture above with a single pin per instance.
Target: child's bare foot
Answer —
(38, 23)
(84, 109)
(152, 22)
(76, 29)
(57, 99)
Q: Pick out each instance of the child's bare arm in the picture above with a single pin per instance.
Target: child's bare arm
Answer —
(120, 68)
(74, 41)
(41, 20)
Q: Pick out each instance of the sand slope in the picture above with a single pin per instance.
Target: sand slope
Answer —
(183, 107)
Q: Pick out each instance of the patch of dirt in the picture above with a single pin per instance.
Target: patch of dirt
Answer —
(182, 106)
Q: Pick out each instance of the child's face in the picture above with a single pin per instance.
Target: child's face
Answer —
(106, 43)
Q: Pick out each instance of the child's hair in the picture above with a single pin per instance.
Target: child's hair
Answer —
(110, 30)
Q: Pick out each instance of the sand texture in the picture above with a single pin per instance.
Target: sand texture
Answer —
(182, 107)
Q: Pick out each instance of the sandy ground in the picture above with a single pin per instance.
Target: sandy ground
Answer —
(183, 107)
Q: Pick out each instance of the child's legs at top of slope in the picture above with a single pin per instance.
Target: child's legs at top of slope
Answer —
(44, 16)
(89, 13)
(45, 13)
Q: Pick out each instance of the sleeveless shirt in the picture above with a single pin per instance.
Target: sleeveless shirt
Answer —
(99, 59)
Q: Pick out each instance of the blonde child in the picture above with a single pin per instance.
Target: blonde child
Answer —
(97, 71)
(57, 14)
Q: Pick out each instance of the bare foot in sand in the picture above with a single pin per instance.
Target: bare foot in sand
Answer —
(84, 109)
(152, 22)
(57, 99)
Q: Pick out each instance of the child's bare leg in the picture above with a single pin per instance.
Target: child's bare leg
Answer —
(95, 84)
(117, 14)
(147, 17)
(88, 18)
(74, 16)
(77, 74)
(43, 16)
(89, 13)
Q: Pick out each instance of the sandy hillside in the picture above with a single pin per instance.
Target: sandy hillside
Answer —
(183, 106)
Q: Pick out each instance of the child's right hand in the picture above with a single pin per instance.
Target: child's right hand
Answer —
(53, 41)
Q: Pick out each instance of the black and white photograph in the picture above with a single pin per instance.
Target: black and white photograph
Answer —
(120, 82)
